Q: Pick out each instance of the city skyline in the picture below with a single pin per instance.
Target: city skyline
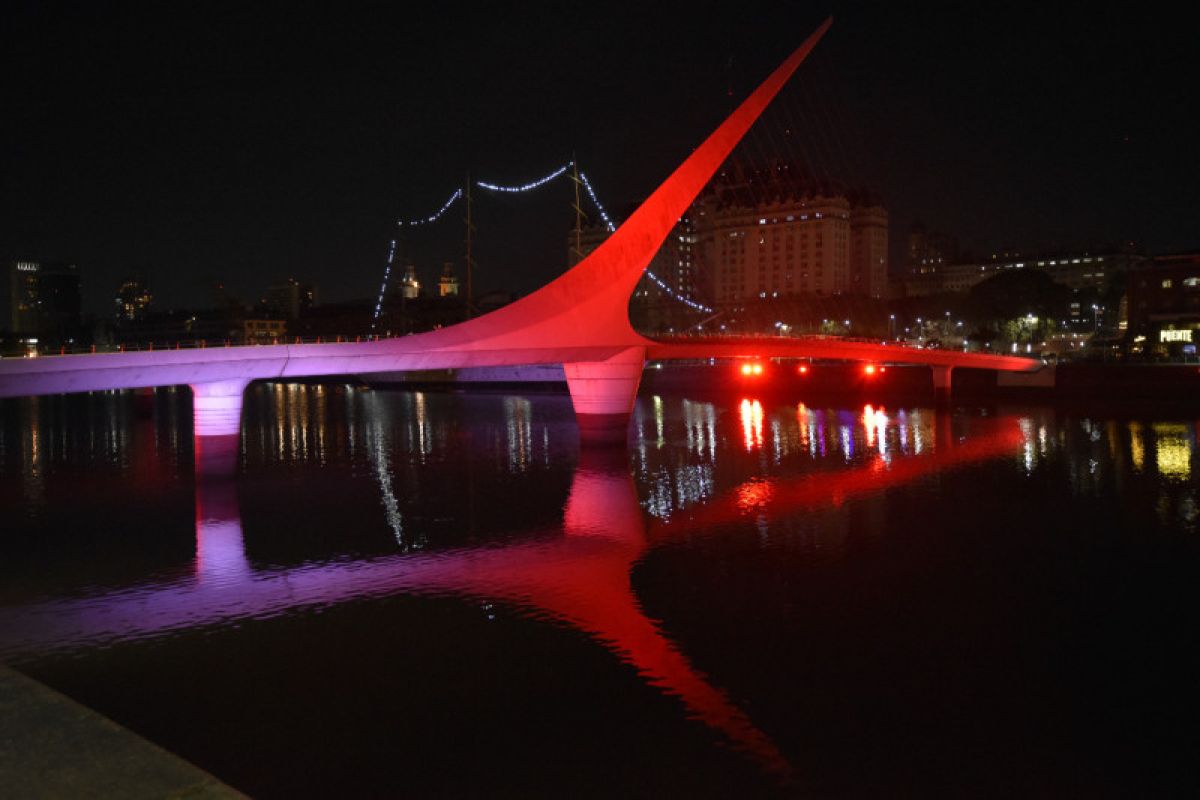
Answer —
(707, 505)
(205, 147)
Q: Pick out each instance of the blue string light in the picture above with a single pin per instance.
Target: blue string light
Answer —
(387, 272)
(434, 217)
(608, 223)
(592, 194)
(658, 281)
(528, 186)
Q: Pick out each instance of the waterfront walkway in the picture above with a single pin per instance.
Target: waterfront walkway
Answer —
(52, 747)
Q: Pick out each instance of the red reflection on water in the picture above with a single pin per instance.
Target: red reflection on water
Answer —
(782, 496)
(874, 424)
(581, 578)
(753, 495)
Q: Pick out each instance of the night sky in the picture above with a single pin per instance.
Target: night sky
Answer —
(204, 142)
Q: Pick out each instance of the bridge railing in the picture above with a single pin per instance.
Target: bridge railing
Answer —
(188, 344)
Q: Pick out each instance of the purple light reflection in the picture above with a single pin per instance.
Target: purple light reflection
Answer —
(580, 579)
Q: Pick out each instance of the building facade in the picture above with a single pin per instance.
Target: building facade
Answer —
(290, 299)
(410, 287)
(772, 232)
(762, 233)
(928, 249)
(1164, 305)
(1077, 271)
(448, 283)
(133, 300)
(42, 300)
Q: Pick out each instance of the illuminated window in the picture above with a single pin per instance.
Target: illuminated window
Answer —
(1191, 283)
(1167, 283)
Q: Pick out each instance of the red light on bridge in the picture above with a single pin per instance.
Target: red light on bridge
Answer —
(803, 370)
(752, 368)
(869, 369)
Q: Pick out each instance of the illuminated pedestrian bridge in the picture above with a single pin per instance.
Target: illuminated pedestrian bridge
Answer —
(579, 320)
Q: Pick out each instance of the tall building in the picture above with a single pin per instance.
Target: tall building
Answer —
(869, 250)
(133, 300)
(290, 299)
(757, 233)
(42, 299)
(773, 232)
(929, 249)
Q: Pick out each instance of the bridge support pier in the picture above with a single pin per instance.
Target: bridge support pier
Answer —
(941, 384)
(603, 393)
(217, 425)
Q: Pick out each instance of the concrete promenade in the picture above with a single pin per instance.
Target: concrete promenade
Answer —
(52, 747)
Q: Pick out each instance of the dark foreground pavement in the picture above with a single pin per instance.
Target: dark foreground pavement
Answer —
(51, 747)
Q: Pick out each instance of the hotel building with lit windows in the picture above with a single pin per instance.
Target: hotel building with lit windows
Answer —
(758, 233)
(769, 233)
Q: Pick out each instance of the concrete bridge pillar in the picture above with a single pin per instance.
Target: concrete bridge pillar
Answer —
(217, 425)
(941, 384)
(603, 393)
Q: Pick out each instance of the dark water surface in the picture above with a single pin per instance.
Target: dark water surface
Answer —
(415, 594)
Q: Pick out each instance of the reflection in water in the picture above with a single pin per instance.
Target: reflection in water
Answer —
(814, 460)
(377, 451)
(220, 550)
(518, 418)
(775, 498)
(581, 578)
(1173, 450)
(752, 424)
(659, 424)
(1137, 450)
(32, 447)
(420, 435)
(700, 420)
